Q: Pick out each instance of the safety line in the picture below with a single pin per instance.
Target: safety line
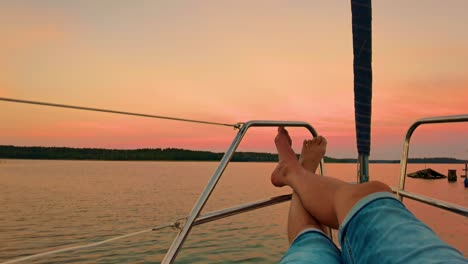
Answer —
(235, 126)
(175, 225)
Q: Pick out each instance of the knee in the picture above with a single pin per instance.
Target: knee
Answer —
(377, 186)
(350, 194)
(361, 190)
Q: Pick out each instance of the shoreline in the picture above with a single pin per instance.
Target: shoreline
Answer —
(232, 161)
(175, 154)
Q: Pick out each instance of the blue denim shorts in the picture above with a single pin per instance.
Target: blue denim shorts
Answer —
(378, 229)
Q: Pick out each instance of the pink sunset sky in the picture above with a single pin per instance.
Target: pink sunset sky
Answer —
(230, 61)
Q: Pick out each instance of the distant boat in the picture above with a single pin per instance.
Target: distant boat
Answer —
(427, 174)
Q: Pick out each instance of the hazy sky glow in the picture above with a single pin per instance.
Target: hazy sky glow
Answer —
(230, 61)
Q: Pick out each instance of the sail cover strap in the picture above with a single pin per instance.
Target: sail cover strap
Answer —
(362, 49)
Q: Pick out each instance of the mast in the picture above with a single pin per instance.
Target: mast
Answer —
(362, 49)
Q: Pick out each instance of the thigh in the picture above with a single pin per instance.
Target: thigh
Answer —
(312, 246)
(379, 229)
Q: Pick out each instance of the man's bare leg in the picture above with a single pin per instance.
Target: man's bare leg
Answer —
(327, 199)
(298, 218)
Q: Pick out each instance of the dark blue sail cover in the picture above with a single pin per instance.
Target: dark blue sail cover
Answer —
(362, 49)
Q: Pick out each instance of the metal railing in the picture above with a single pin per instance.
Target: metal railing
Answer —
(400, 191)
(194, 218)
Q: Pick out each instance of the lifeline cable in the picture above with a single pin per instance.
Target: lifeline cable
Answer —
(235, 126)
(175, 225)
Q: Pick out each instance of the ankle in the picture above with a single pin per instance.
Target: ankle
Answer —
(294, 172)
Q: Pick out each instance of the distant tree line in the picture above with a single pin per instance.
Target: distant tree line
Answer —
(13, 152)
(442, 160)
(167, 154)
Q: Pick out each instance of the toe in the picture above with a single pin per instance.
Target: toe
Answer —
(319, 140)
(289, 140)
(280, 135)
(282, 130)
(324, 141)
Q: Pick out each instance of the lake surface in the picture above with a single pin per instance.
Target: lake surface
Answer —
(48, 205)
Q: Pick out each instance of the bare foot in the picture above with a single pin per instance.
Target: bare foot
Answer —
(287, 158)
(312, 152)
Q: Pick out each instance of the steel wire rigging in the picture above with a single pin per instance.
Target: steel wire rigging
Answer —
(235, 126)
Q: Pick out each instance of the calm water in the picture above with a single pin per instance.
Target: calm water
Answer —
(53, 204)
